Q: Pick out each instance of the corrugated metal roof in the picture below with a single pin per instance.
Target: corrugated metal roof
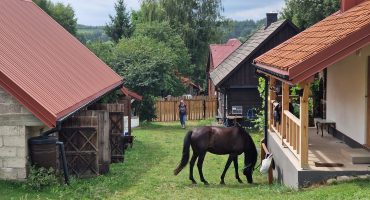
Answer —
(243, 52)
(320, 45)
(48, 70)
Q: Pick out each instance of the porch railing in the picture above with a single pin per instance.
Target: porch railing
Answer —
(292, 132)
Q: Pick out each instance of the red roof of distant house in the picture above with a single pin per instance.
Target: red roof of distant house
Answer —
(187, 81)
(44, 67)
(219, 52)
(132, 94)
(319, 46)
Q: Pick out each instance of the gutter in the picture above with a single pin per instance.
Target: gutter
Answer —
(284, 77)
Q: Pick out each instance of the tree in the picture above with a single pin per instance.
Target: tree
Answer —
(147, 66)
(120, 25)
(305, 13)
(63, 14)
(162, 32)
(197, 21)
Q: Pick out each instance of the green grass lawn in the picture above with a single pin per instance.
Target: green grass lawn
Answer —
(147, 173)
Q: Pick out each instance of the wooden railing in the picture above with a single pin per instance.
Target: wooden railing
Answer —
(292, 132)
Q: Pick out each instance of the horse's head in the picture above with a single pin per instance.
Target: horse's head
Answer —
(248, 172)
(250, 159)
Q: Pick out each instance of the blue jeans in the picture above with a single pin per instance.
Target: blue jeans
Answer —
(182, 119)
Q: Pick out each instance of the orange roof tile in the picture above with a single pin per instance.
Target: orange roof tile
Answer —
(320, 45)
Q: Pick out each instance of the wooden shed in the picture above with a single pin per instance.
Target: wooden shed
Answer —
(235, 79)
(46, 76)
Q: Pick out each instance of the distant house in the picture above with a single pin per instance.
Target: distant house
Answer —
(235, 78)
(340, 46)
(217, 54)
(190, 87)
(47, 75)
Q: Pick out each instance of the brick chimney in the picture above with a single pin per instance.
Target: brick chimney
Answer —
(348, 4)
(271, 18)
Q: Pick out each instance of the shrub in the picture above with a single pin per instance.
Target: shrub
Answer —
(40, 177)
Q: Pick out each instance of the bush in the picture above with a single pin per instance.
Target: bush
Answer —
(40, 178)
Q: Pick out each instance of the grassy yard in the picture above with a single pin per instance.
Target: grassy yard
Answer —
(147, 173)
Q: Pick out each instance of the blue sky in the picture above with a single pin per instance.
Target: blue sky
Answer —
(95, 12)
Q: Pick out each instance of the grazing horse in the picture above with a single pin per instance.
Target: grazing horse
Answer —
(233, 141)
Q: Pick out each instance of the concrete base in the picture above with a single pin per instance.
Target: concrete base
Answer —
(288, 172)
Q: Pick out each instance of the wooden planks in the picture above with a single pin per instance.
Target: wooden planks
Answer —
(200, 107)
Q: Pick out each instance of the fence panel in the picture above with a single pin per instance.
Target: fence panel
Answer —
(198, 107)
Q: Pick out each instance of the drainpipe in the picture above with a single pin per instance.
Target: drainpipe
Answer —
(64, 161)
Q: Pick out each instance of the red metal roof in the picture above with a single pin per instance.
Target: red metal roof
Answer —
(132, 94)
(219, 52)
(319, 46)
(44, 67)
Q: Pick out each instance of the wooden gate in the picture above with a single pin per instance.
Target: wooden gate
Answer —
(116, 129)
(86, 139)
(81, 146)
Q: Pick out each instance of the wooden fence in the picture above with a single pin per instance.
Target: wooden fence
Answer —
(198, 107)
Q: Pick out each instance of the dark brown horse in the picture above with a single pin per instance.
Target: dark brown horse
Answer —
(233, 141)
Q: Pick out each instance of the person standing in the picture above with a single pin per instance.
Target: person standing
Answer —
(182, 113)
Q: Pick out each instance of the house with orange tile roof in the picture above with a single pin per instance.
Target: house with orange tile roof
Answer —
(234, 78)
(338, 50)
(47, 75)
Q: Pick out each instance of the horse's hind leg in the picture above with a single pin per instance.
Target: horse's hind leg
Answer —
(236, 169)
(200, 165)
(192, 162)
(226, 168)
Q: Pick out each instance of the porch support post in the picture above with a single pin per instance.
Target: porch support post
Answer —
(272, 96)
(304, 125)
(285, 106)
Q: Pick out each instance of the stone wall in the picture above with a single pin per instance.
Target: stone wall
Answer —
(17, 124)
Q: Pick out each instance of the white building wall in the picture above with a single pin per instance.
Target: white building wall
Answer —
(346, 95)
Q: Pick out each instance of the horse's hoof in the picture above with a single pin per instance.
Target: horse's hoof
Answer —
(222, 183)
(194, 182)
(205, 183)
(240, 181)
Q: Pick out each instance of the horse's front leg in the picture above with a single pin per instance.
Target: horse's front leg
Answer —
(200, 165)
(226, 168)
(236, 169)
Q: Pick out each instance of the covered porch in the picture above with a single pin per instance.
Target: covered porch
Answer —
(303, 156)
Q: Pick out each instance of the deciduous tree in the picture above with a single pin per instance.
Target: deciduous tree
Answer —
(305, 13)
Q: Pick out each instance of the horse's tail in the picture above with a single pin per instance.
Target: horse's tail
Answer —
(185, 153)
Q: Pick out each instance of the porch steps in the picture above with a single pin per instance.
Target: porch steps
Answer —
(358, 156)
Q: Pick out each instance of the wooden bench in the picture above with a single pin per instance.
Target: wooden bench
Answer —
(324, 122)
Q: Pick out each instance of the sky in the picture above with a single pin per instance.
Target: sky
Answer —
(96, 12)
